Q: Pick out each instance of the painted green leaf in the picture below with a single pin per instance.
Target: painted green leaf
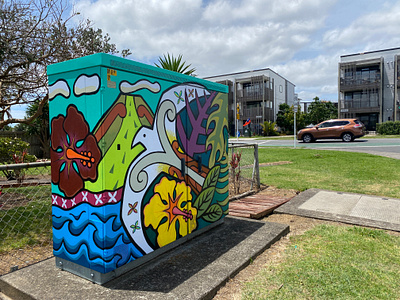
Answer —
(212, 177)
(203, 201)
(213, 213)
(217, 138)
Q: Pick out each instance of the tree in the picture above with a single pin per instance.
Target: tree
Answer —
(174, 64)
(39, 127)
(282, 119)
(319, 111)
(35, 34)
(285, 118)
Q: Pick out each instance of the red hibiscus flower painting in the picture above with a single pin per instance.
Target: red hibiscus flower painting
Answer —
(74, 152)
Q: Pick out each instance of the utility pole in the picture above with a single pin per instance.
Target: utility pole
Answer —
(237, 120)
(237, 110)
(295, 108)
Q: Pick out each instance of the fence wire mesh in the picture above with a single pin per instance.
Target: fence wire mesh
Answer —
(25, 215)
(244, 169)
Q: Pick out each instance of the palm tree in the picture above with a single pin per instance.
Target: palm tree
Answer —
(174, 64)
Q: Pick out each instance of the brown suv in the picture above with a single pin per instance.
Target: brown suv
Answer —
(345, 129)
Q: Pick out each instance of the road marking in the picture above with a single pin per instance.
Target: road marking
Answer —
(344, 146)
(264, 142)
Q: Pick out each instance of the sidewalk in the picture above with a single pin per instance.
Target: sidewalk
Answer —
(357, 209)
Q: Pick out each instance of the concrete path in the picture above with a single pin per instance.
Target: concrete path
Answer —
(358, 209)
(194, 270)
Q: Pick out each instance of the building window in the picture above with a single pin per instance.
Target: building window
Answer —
(361, 99)
(362, 75)
(252, 89)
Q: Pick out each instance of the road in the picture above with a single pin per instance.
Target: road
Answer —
(383, 147)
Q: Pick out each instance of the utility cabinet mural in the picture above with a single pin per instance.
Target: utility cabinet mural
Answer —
(139, 160)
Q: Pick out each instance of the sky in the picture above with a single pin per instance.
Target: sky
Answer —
(302, 40)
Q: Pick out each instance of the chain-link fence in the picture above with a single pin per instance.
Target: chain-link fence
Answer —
(25, 215)
(244, 169)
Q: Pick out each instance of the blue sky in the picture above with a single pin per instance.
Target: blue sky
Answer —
(300, 39)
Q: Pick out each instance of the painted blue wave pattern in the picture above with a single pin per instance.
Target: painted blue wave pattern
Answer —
(92, 237)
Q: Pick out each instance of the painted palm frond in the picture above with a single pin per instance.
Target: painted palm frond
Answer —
(169, 62)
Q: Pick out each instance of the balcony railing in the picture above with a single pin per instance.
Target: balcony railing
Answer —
(361, 105)
(354, 84)
(255, 112)
(254, 95)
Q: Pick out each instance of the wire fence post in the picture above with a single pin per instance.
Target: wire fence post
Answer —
(256, 168)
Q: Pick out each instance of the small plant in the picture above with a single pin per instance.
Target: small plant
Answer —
(235, 170)
(269, 128)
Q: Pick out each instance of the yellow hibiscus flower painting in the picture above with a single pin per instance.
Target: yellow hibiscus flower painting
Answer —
(172, 200)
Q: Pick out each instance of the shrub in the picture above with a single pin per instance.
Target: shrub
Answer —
(14, 151)
(388, 128)
(235, 170)
(269, 128)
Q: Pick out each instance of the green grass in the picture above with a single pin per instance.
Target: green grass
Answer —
(333, 262)
(331, 170)
(382, 136)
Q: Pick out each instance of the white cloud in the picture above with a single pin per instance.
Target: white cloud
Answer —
(300, 39)
(244, 34)
(372, 31)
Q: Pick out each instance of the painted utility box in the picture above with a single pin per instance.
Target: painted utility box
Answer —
(139, 162)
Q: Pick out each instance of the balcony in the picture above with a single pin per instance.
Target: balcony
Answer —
(360, 106)
(256, 95)
(350, 84)
(254, 112)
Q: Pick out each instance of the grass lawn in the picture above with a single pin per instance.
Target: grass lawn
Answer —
(331, 170)
(333, 262)
(382, 136)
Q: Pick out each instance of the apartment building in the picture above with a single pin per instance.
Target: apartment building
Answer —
(369, 85)
(255, 96)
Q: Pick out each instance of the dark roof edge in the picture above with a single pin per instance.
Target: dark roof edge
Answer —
(244, 72)
(368, 52)
(237, 73)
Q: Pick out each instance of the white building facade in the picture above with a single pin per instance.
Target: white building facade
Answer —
(255, 96)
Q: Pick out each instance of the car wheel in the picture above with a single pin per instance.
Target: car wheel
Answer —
(347, 137)
(307, 138)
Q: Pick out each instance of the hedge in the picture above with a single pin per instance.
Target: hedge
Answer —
(388, 128)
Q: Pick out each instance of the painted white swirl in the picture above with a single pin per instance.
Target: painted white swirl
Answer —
(126, 88)
(60, 87)
(86, 85)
